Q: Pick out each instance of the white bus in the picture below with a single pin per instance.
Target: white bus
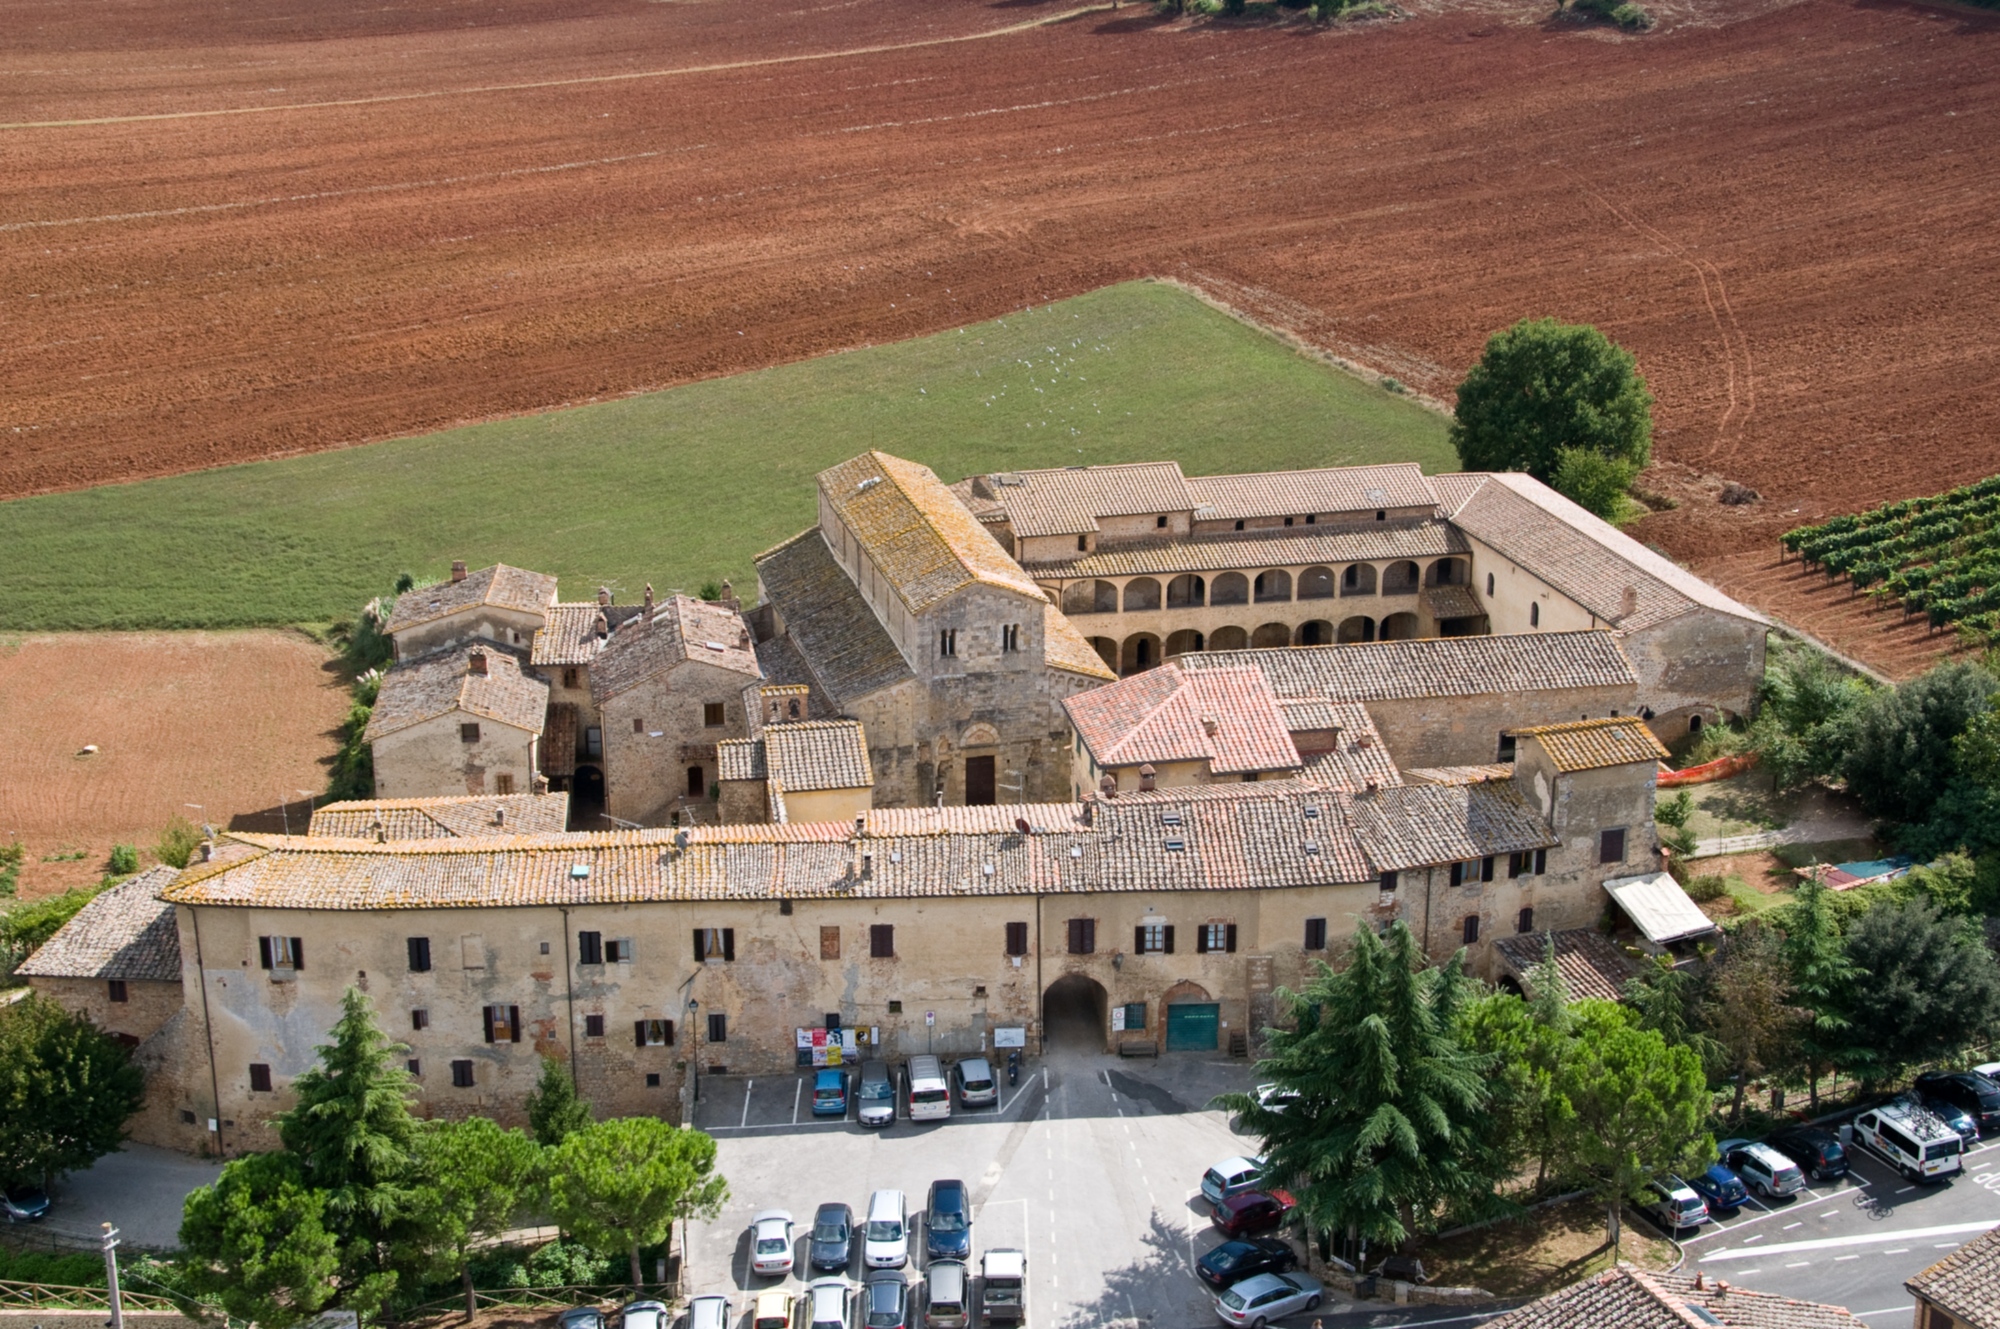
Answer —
(930, 1096)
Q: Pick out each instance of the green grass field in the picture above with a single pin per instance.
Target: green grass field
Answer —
(687, 485)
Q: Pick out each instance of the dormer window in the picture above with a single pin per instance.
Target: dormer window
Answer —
(1381, 514)
(1239, 525)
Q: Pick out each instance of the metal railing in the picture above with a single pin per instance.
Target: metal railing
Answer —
(549, 1298)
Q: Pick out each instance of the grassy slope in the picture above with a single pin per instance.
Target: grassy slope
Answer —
(685, 486)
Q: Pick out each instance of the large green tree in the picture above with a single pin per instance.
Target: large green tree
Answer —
(1904, 754)
(66, 1091)
(1821, 975)
(1924, 986)
(1387, 1131)
(620, 1184)
(256, 1243)
(351, 1129)
(554, 1107)
(1549, 398)
(1754, 1013)
(472, 1179)
(1640, 1105)
(1807, 713)
(1522, 1044)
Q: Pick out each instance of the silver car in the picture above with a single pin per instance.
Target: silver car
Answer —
(976, 1085)
(830, 1303)
(709, 1312)
(1263, 1297)
(649, 1315)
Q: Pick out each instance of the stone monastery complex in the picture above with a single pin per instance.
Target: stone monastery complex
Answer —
(1107, 738)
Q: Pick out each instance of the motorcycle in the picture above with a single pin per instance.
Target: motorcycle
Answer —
(1013, 1068)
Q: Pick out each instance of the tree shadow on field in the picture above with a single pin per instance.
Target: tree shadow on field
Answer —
(288, 819)
(1157, 1288)
(1969, 19)
(1142, 19)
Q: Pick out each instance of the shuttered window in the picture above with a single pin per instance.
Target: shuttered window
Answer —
(420, 1019)
(1471, 928)
(593, 1026)
(503, 1024)
(1215, 937)
(281, 953)
(1017, 939)
(1083, 936)
(718, 1028)
(1611, 845)
(881, 941)
(590, 948)
(829, 942)
(461, 1074)
(1153, 939)
(715, 943)
(260, 1078)
(420, 955)
(1315, 934)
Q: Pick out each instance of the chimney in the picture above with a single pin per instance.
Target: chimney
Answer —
(1146, 777)
(729, 594)
(1369, 792)
(1701, 1282)
(648, 612)
(1721, 1288)
(1210, 725)
(604, 597)
(499, 816)
(207, 851)
(1108, 786)
(863, 862)
(475, 663)
(458, 569)
(601, 625)
(1364, 742)
(540, 784)
(1628, 603)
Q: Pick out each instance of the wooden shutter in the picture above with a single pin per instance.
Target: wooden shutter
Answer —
(639, 1032)
(1169, 935)
(700, 948)
(829, 942)
(513, 1024)
(669, 1026)
(1486, 868)
(1229, 938)
(1017, 939)
(1457, 874)
(298, 953)
(729, 943)
(420, 955)
(264, 952)
(1315, 934)
(1139, 940)
(1201, 940)
(590, 947)
(882, 941)
(1471, 928)
(1541, 861)
(488, 1013)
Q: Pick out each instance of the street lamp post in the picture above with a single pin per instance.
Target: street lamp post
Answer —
(694, 1047)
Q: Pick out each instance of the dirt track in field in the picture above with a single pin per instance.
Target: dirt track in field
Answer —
(1785, 210)
(239, 722)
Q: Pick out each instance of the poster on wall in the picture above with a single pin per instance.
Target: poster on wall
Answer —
(1117, 1019)
(1011, 1037)
(829, 1047)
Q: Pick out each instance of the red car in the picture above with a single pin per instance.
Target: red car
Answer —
(1252, 1212)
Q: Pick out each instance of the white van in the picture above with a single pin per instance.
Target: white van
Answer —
(930, 1096)
(1918, 1143)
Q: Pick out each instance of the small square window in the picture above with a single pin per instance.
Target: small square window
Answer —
(718, 1028)
(468, 733)
(571, 679)
(1315, 934)
(1135, 1016)
(638, 725)
(1611, 845)
(895, 1008)
(415, 1067)
(545, 948)
(593, 1026)
(260, 1078)
(187, 1117)
(979, 992)
(711, 714)
(117, 986)
(461, 1074)
(652, 1079)
(420, 1018)
(503, 783)
(1388, 882)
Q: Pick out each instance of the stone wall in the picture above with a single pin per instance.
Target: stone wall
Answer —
(509, 627)
(147, 1006)
(432, 759)
(656, 730)
(1465, 731)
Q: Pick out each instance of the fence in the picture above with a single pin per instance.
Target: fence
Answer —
(49, 1297)
(550, 1298)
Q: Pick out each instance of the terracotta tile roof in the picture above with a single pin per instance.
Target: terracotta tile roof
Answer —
(1360, 757)
(1591, 965)
(1239, 836)
(569, 634)
(1417, 825)
(1586, 745)
(499, 586)
(1435, 666)
(1583, 556)
(1626, 1298)
(127, 932)
(1065, 647)
(443, 683)
(783, 666)
(1165, 715)
(919, 536)
(1068, 500)
(1329, 489)
(1460, 774)
(1452, 602)
(803, 757)
(432, 818)
(1965, 1283)
(682, 628)
(842, 643)
(1285, 547)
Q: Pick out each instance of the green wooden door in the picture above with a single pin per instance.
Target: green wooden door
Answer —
(1192, 1026)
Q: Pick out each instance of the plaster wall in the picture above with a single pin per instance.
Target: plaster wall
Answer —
(432, 760)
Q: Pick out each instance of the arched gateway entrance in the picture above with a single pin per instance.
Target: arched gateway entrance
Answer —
(1075, 1014)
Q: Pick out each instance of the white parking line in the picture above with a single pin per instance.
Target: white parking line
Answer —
(797, 1089)
(1799, 1264)
(746, 1104)
(1838, 1258)
(1860, 1239)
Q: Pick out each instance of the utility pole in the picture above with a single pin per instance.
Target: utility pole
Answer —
(111, 1276)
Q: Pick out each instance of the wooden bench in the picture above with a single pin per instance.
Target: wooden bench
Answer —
(1140, 1047)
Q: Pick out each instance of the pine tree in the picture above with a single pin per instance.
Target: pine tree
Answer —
(554, 1107)
(475, 1177)
(620, 1184)
(353, 1135)
(255, 1242)
(1386, 1132)
(1821, 976)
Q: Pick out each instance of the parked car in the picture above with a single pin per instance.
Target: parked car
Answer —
(1255, 1301)
(24, 1204)
(655, 1315)
(1230, 1177)
(886, 1300)
(1674, 1205)
(1956, 1119)
(832, 1242)
(1763, 1169)
(1817, 1150)
(948, 1221)
(775, 1309)
(1911, 1140)
(1275, 1097)
(885, 1238)
(830, 1303)
(711, 1311)
(930, 1092)
(582, 1317)
(1719, 1186)
(876, 1096)
(1252, 1211)
(829, 1093)
(1003, 1286)
(1970, 1091)
(976, 1085)
(771, 1242)
(1234, 1261)
(947, 1288)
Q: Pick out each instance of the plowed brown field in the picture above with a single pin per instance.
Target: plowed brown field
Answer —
(230, 230)
(238, 722)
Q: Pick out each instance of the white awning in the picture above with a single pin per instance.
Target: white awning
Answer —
(1659, 907)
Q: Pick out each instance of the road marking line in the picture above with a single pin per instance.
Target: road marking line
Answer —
(1945, 1246)
(1903, 1190)
(1799, 1265)
(1789, 1226)
(1759, 1237)
(798, 1088)
(1861, 1239)
(1745, 1273)
(746, 1104)
(1838, 1258)
(1900, 1250)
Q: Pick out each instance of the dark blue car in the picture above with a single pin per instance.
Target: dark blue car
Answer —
(948, 1222)
(1719, 1186)
(830, 1093)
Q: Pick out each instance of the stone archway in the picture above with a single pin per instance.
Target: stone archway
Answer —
(1075, 1015)
(1107, 651)
(1183, 642)
(1271, 635)
(1400, 627)
(1140, 653)
(1356, 629)
(1314, 632)
(1228, 639)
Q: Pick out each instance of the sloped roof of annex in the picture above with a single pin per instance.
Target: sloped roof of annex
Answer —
(1328, 489)
(1965, 1283)
(569, 635)
(1434, 666)
(803, 757)
(1628, 1298)
(681, 628)
(443, 682)
(1068, 500)
(434, 818)
(499, 586)
(1224, 717)
(1585, 745)
(920, 538)
(125, 933)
